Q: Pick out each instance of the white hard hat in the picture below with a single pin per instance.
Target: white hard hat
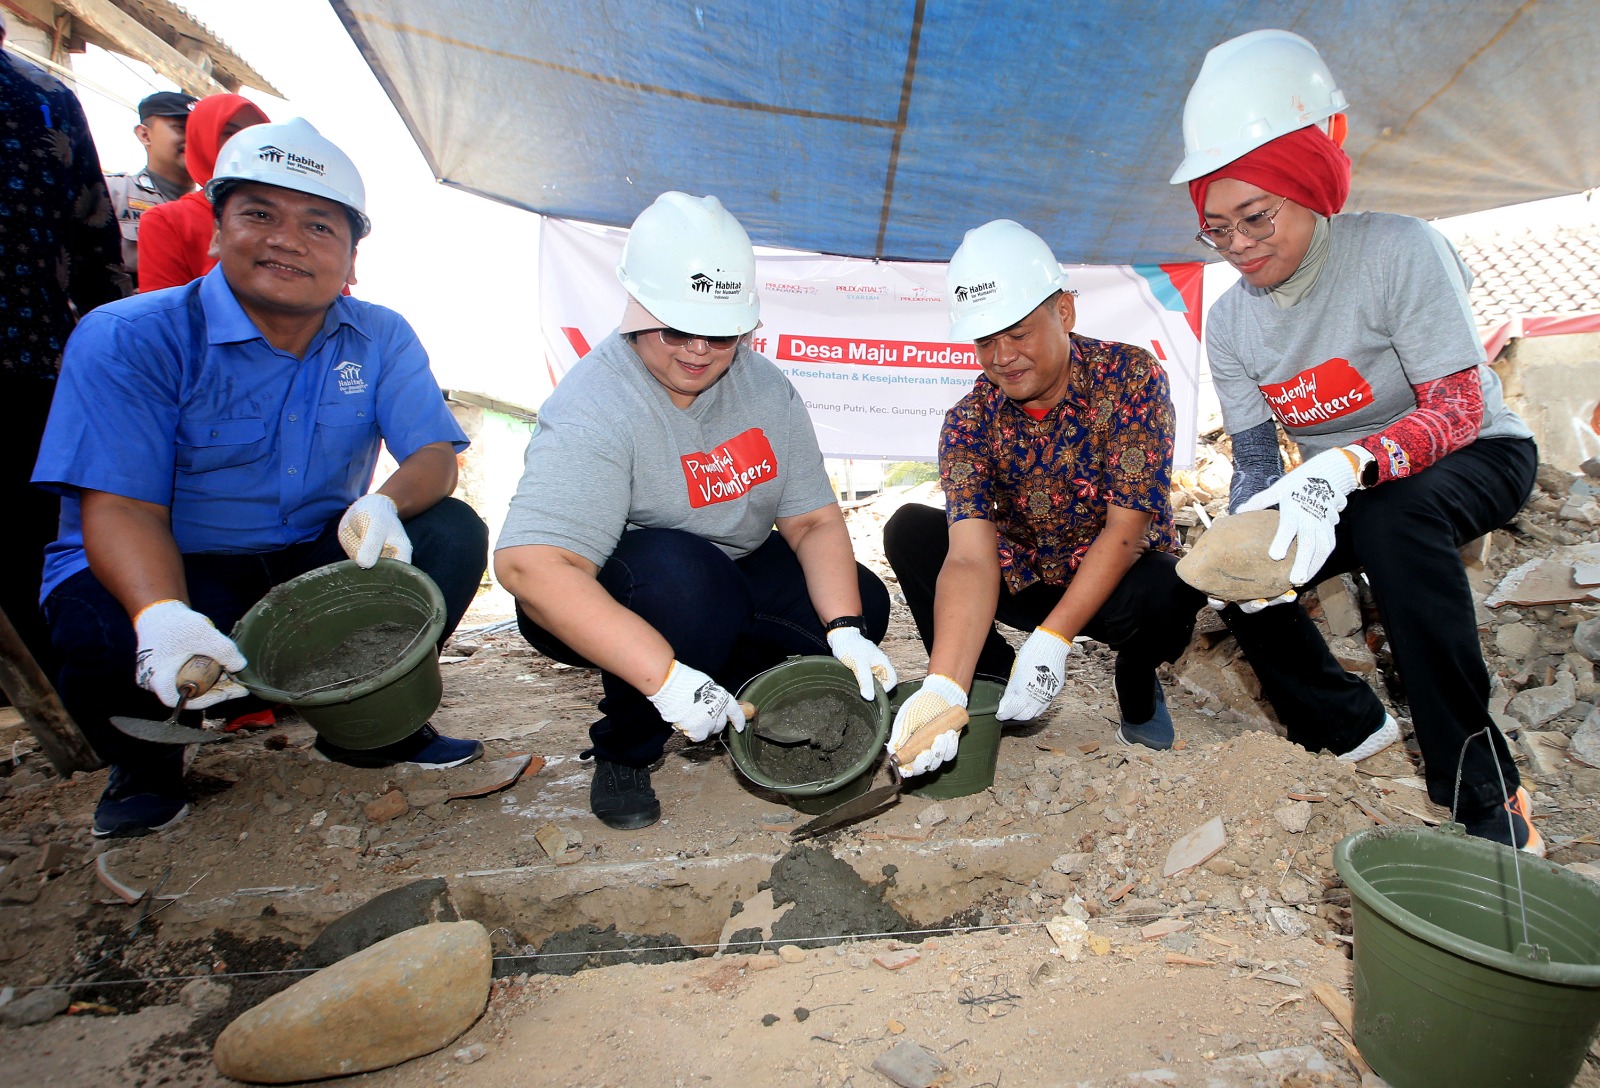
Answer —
(1001, 272)
(291, 155)
(690, 264)
(1251, 90)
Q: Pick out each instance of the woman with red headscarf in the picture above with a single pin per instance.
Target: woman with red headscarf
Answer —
(175, 246)
(1353, 332)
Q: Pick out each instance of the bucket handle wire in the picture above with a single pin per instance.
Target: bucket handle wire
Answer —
(1528, 950)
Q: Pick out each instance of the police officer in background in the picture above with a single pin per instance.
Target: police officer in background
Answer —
(163, 119)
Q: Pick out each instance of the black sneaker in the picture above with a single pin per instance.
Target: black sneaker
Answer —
(621, 797)
(130, 808)
(427, 747)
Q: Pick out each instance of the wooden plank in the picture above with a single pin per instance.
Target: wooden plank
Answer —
(30, 692)
(143, 44)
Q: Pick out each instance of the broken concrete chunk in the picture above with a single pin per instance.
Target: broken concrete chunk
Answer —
(1585, 869)
(34, 1008)
(1163, 927)
(1535, 706)
(908, 1065)
(1071, 936)
(1230, 561)
(1586, 638)
(1196, 847)
(1072, 863)
(1516, 640)
(791, 953)
(404, 997)
(1546, 751)
(343, 836)
(1293, 817)
(1341, 608)
(204, 996)
(1585, 744)
(1548, 580)
(552, 839)
(895, 960)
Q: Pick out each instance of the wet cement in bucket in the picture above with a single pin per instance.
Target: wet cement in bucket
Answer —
(365, 652)
(840, 731)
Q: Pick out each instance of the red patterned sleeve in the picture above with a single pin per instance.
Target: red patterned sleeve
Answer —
(1448, 416)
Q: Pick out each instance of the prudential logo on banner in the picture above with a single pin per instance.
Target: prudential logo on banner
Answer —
(867, 343)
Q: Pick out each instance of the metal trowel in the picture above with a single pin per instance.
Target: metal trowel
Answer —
(197, 677)
(874, 799)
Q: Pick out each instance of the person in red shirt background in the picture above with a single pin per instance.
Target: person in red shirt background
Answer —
(175, 238)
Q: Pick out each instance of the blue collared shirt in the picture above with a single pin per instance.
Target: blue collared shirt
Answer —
(176, 398)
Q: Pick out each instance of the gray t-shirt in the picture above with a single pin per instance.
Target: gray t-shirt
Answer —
(1388, 312)
(612, 452)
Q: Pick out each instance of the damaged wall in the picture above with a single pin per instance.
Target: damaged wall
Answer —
(1553, 382)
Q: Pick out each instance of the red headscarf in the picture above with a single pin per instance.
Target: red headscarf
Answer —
(1304, 165)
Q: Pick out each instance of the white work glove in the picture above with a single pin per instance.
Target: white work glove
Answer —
(1036, 676)
(863, 657)
(370, 530)
(937, 695)
(169, 634)
(696, 705)
(1250, 608)
(1309, 500)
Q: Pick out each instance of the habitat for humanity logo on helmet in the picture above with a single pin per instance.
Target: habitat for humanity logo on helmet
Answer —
(295, 164)
(975, 292)
(702, 284)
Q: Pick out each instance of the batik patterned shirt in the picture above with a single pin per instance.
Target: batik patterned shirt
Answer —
(59, 242)
(1046, 483)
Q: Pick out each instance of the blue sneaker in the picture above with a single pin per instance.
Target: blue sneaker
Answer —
(1156, 733)
(130, 808)
(427, 747)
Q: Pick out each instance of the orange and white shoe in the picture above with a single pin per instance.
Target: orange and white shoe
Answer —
(1511, 824)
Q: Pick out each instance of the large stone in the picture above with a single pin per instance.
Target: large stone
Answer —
(419, 903)
(1535, 706)
(1230, 561)
(1586, 638)
(1516, 640)
(1585, 744)
(34, 1008)
(404, 997)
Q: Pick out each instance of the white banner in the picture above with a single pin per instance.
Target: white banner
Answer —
(867, 342)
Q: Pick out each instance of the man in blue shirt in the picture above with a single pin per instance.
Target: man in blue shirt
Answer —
(213, 440)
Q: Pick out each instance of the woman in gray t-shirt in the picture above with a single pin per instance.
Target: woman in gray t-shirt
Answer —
(1353, 333)
(674, 526)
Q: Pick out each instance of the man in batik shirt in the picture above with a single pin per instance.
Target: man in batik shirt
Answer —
(1055, 470)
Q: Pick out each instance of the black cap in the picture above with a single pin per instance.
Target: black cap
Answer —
(166, 104)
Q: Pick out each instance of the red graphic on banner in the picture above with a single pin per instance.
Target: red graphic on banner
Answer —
(1326, 391)
(1188, 280)
(731, 470)
(837, 349)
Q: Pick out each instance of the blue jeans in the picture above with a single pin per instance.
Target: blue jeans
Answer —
(95, 637)
(1406, 535)
(729, 618)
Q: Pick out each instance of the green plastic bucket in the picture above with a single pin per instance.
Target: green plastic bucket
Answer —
(299, 622)
(972, 771)
(1446, 990)
(788, 689)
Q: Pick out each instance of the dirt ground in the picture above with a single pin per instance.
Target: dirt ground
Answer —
(1204, 977)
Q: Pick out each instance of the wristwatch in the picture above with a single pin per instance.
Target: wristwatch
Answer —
(858, 622)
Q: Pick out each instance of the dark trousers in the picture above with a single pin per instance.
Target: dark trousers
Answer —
(1406, 535)
(729, 618)
(1147, 620)
(32, 514)
(95, 637)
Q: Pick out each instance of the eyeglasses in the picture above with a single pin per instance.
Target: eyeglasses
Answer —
(1255, 227)
(672, 338)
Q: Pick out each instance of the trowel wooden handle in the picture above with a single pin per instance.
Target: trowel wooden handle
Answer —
(922, 738)
(198, 674)
(749, 710)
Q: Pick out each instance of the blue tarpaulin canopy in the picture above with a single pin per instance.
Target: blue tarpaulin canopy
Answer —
(887, 129)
